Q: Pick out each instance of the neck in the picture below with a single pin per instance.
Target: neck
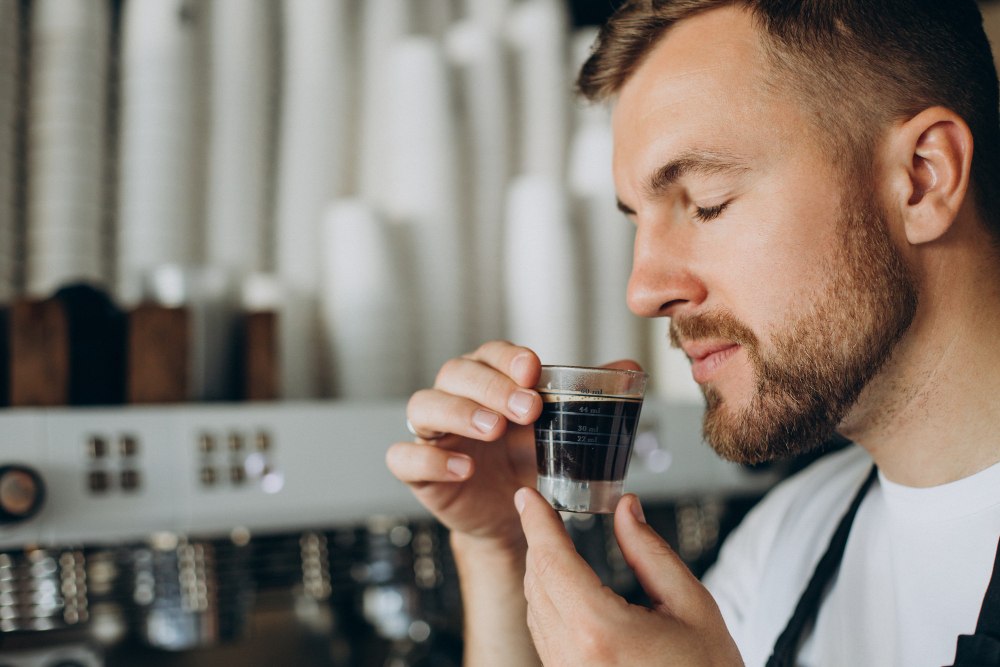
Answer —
(931, 415)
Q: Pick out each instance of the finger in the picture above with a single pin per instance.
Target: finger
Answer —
(490, 388)
(659, 570)
(623, 364)
(544, 619)
(421, 436)
(519, 363)
(558, 571)
(420, 464)
(436, 411)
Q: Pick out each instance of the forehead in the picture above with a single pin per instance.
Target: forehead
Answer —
(701, 87)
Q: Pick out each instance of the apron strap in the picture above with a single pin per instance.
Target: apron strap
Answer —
(982, 649)
(787, 645)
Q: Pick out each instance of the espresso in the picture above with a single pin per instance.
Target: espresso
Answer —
(584, 437)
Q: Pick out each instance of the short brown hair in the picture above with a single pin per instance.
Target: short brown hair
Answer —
(856, 65)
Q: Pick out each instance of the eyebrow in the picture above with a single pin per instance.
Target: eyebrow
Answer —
(703, 162)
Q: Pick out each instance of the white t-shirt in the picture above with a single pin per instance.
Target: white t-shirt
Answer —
(913, 577)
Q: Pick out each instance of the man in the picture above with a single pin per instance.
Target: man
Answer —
(811, 214)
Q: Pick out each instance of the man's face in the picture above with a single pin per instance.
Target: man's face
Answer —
(776, 268)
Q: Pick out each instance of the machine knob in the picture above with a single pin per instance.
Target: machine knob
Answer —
(22, 493)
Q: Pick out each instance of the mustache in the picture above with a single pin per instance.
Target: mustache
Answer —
(718, 324)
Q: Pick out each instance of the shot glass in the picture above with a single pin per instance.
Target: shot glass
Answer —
(583, 439)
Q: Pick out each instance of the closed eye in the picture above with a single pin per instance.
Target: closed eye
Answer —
(709, 213)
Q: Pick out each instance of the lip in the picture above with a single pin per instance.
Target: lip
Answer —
(707, 357)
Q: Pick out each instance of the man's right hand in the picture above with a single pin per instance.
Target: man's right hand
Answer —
(475, 445)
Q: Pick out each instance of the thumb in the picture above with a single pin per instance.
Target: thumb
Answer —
(623, 364)
(668, 582)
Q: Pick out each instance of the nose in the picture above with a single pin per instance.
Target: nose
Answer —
(663, 282)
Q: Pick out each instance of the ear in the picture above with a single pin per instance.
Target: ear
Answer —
(930, 160)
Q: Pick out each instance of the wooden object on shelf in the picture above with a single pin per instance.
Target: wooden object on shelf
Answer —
(159, 343)
(259, 364)
(39, 353)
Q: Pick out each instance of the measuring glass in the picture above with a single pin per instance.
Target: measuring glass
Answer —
(583, 439)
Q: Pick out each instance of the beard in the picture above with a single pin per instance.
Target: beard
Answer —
(823, 359)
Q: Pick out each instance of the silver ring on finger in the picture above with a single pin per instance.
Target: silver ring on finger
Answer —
(435, 435)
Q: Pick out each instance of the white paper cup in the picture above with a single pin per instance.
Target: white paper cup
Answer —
(67, 104)
(81, 257)
(78, 161)
(64, 245)
(55, 268)
(66, 86)
(59, 17)
(66, 184)
(54, 216)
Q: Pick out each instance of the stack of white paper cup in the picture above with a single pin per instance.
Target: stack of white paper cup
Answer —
(260, 293)
(478, 54)
(242, 63)
(67, 111)
(490, 14)
(383, 24)
(10, 101)
(160, 149)
(365, 304)
(537, 32)
(543, 271)
(424, 198)
(311, 170)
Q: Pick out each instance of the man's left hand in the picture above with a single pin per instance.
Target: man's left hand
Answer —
(575, 621)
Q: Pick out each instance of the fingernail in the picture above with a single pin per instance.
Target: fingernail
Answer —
(637, 511)
(520, 402)
(519, 498)
(520, 364)
(459, 466)
(485, 420)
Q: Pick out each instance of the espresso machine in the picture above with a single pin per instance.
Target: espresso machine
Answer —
(257, 533)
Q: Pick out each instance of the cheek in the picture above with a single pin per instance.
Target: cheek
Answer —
(771, 272)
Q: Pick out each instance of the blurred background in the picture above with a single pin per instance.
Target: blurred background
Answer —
(235, 235)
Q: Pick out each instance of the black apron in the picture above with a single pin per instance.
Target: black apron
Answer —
(981, 649)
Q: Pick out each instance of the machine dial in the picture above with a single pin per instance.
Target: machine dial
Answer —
(22, 493)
